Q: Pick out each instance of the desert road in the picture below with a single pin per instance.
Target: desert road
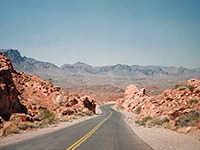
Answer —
(108, 131)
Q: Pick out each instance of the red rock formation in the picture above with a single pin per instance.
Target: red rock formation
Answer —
(131, 91)
(34, 93)
(172, 103)
(89, 103)
(26, 98)
(9, 102)
(132, 98)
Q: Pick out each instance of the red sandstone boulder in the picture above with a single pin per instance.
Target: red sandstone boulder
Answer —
(194, 83)
(23, 117)
(131, 91)
(89, 103)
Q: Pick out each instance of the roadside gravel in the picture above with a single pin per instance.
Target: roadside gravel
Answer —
(163, 139)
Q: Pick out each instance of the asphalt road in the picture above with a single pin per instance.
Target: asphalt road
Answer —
(105, 132)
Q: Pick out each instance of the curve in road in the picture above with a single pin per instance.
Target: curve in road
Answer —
(105, 132)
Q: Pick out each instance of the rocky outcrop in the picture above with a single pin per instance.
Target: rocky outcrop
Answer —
(132, 98)
(37, 94)
(89, 103)
(131, 91)
(26, 96)
(180, 104)
(9, 102)
(27, 101)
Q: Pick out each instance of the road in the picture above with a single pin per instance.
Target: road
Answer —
(105, 132)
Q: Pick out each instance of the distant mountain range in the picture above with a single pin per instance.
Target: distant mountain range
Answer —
(49, 70)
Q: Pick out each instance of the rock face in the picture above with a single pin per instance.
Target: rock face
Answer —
(9, 102)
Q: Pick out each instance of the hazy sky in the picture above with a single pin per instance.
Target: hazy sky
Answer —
(104, 32)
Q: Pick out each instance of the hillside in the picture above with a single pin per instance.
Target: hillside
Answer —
(27, 101)
(177, 109)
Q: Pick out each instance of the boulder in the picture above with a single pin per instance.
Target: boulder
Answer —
(89, 103)
(67, 112)
(194, 83)
(131, 90)
(22, 117)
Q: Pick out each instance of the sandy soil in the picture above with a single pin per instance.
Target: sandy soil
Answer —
(36, 132)
(163, 139)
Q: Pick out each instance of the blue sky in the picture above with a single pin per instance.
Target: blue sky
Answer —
(104, 32)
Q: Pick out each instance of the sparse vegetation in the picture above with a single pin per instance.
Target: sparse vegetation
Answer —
(182, 88)
(191, 88)
(190, 119)
(88, 113)
(120, 107)
(28, 125)
(177, 86)
(193, 101)
(45, 116)
(16, 121)
(12, 129)
(158, 121)
(138, 110)
(144, 121)
(1, 126)
(152, 100)
(34, 92)
(42, 107)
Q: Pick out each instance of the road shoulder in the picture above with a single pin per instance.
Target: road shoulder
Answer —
(159, 138)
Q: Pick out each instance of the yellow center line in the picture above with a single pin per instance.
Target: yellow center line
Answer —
(79, 142)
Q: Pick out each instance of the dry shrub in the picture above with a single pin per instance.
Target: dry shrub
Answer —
(28, 125)
(189, 119)
(12, 129)
(138, 110)
(144, 121)
(120, 107)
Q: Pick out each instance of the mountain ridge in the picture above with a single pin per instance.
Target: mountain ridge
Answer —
(48, 69)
